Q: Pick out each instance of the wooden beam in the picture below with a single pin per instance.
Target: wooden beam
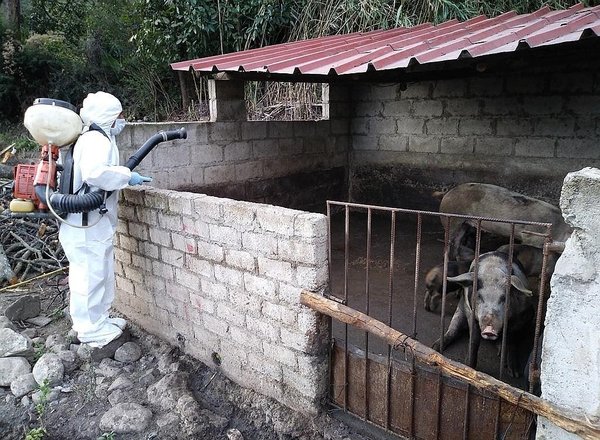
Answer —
(561, 417)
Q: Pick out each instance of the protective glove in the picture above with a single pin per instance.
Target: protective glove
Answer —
(138, 179)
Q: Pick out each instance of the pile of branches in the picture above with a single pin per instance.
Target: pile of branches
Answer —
(29, 246)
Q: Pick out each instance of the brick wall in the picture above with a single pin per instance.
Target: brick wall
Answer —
(522, 128)
(223, 277)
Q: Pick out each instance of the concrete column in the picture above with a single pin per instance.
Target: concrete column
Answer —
(338, 100)
(226, 100)
(571, 350)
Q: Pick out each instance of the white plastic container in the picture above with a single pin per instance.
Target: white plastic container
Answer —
(51, 121)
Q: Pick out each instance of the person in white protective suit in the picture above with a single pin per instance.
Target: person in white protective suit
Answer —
(90, 250)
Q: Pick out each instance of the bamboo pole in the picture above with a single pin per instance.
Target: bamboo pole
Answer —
(44, 275)
(561, 417)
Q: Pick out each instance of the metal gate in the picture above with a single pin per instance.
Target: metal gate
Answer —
(382, 369)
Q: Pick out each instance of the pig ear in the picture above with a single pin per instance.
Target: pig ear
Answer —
(464, 279)
(520, 286)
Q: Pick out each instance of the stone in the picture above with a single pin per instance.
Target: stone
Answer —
(72, 337)
(39, 321)
(51, 396)
(125, 418)
(6, 323)
(168, 421)
(38, 340)
(84, 351)
(12, 368)
(14, 344)
(29, 333)
(234, 434)
(69, 360)
(147, 378)
(190, 413)
(128, 352)
(108, 368)
(108, 351)
(23, 385)
(49, 367)
(25, 401)
(27, 306)
(120, 383)
(122, 396)
(54, 340)
(166, 392)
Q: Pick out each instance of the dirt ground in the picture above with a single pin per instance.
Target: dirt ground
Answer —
(227, 411)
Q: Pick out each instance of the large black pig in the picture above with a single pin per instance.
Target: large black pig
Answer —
(489, 307)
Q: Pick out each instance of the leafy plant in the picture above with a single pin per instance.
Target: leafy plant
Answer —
(107, 436)
(40, 407)
(35, 434)
(39, 348)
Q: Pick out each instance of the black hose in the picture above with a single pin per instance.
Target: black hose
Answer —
(72, 203)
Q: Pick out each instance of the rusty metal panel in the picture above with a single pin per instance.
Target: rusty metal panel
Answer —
(448, 424)
(398, 48)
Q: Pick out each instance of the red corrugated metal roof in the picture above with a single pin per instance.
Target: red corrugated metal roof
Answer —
(401, 47)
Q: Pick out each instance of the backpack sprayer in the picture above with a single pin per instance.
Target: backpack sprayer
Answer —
(55, 124)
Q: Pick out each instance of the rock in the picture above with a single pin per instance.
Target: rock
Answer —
(30, 333)
(120, 383)
(28, 306)
(126, 417)
(101, 391)
(51, 396)
(39, 321)
(72, 337)
(234, 434)
(49, 367)
(168, 421)
(122, 396)
(166, 392)
(23, 385)
(6, 323)
(190, 413)
(38, 340)
(215, 420)
(11, 368)
(84, 352)
(14, 344)
(128, 352)
(53, 340)
(10, 399)
(147, 378)
(74, 348)
(108, 351)
(108, 368)
(69, 360)
(26, 401)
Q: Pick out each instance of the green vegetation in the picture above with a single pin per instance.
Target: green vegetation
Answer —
(107, 436)
(35, 434)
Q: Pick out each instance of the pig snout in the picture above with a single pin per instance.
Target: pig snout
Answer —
(490, 327)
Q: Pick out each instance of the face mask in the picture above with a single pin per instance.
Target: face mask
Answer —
(118, 128)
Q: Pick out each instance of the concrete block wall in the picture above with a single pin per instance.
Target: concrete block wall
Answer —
(219, 277)
(524, 129)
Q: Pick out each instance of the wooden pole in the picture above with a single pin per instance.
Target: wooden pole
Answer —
(561, 417)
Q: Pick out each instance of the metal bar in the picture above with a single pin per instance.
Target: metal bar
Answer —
(437, 214)
(367, 309)
(331, 384)
(511, 250)
(533, 367)
(390, 298)
(413, 386)
(444, 283)
(467, 410)
(417, 270)
(474, 293)
(346, 262)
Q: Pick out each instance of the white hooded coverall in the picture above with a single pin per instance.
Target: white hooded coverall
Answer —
(90, 251)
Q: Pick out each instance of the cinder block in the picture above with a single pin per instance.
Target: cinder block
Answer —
(184, 243)
(230, 315)
(457, 145)
(202, 155)
(488, 86)
(148, 249)
(277, 270)
(260, 286)
(188, 279)
(265, 148)
(479, 126)
(424, 144)
(228, 276)
(578, 148)
(249, 170)
(368, 108)
(463, 107)
(133, 274)
(312, 278)
(583, 105)
(277, 220)
(237, 151)
(365, 142)
(160, 237)
(260, 243)
(127, 213)
(265, 367)
(280, 129)
(417, 90)
(310, 225)
(162, 270)
(245, 338)
(199, 266)
(449, 88)
(139, 231)
(224, 131)
(245, 302)
(310, 386)
(280, 354)
(428, 108)
(514, 127)
(442, 126)
(219, 174)
(254, 130)
(208, 209)
(173, 156)
(128, 243)
(295, 340)
(214, 290)
(225, 235)
(157, 199)
(171, 256)
(359, 126)
(124, 284)
(502, 106)
(312, 251)
(546, 105)
(400, 108)
(494, 146)
(535, 147)
(202, 304)
(123, 256)
(216, 325)
(519, 84)
(382, 126)
(281, 313)
(147, 216)
(409, 125)
(241, 260)
(211, 251)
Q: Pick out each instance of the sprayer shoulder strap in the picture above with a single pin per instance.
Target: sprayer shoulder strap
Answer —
(66, 178)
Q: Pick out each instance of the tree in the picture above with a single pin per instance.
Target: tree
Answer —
(11, 12)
